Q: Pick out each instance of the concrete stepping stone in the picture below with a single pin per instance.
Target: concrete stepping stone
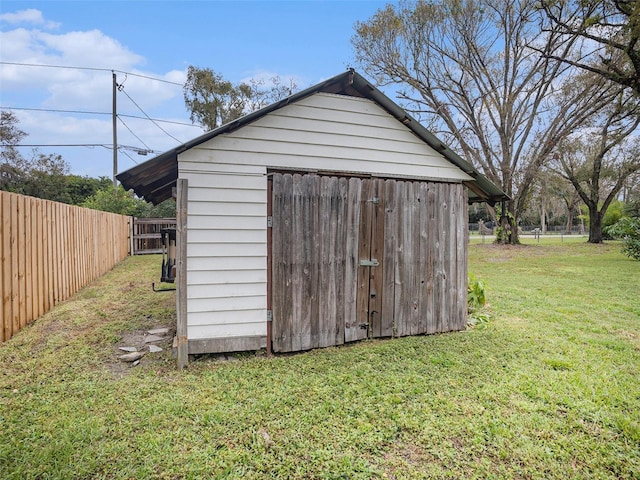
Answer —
(128, 349)
(153, 338)
(131, 357)
(158, 331)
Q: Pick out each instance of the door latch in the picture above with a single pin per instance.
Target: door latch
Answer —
(369, 263)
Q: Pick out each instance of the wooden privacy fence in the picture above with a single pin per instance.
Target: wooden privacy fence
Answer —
(49, 251)
(145, 237)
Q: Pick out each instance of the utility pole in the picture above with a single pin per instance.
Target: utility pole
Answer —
(115, 131)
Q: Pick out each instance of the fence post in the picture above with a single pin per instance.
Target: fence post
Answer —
(132, 221)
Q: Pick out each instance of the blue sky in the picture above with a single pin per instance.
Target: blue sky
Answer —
(304, 40)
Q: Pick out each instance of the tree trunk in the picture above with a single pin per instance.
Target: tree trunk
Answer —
(595, 225)
(569, 226)
(508, 230)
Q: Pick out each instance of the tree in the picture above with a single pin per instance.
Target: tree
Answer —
(46, 177)
(79, 188)
(467, 69)
(11, 162)
(607, 33)
(628, 230)
(41, 176)
(598, 161)
(118, 200)
(214, 101)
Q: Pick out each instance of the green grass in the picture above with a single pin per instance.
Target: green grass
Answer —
(549, 389)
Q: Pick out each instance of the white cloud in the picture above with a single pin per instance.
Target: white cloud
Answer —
(29, 16)
(88, 88)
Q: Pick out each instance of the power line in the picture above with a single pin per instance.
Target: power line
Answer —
(108, 146)
(34, 145)
(145, 114)
(54, 110)
(94, 69)
(84, 112)
(132, 133)
(130, 157)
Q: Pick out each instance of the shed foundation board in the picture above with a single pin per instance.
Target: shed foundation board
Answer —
(227, 345)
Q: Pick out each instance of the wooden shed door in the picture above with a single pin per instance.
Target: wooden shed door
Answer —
(353, 258)
(369, 248)
(326, 260)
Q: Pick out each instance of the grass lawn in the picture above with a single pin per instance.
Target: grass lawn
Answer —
(549, 389)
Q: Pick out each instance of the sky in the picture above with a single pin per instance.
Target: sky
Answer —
(150, 45)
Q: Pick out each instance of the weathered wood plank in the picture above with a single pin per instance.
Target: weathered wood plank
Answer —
(352, 254)
(325, 232)
(181, 272)
(307, 220)
(432, 226)
(389, 259)
(413, 208)
(401, 315)
(423, 255)
(360, 329)
(443, 259)
(342, 228)
(377, 252)
(462, 254)
(226, 345)
(283, 269)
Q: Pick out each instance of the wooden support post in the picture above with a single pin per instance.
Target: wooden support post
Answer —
(269, 267)
(181, 273)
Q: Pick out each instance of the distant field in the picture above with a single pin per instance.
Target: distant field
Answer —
(548, 390)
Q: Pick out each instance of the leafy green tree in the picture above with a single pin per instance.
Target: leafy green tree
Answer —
(627, 229)
(114, 200)
(42, 176)
(166, 209)
(468, 70)
(214, 101)
(79, 188)
(118, 200)
(46, 177)
(598, 161)
(11, 162)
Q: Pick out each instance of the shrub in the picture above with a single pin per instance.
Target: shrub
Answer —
(476, 300)
(628, 230)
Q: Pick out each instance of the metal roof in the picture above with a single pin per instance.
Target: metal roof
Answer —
(153, 180)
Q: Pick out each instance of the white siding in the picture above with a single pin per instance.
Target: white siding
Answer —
(325, 132)
(226, 246)
(226, 252)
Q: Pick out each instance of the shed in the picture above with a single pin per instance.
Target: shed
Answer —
(327, 217)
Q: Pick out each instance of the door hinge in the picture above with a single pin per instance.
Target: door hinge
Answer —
(269, 315)
(269, 221)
